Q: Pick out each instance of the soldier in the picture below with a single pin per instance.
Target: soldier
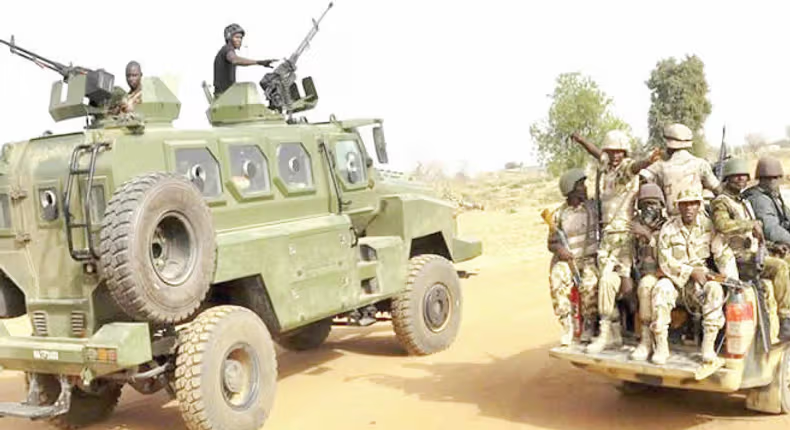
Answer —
(226, 60)
(619, 184)
(770, 209)
(134, 75)
(682, 170)
(651, 216)
(576, 218)
(684, 246)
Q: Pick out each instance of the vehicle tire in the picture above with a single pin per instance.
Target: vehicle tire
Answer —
(426, 316)
(309, 337)
(86, 407)
(158, 248)
(226, 370)
(784, 381)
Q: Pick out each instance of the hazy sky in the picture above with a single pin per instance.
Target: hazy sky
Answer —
(454, 81)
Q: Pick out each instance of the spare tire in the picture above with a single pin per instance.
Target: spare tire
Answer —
(158, 248)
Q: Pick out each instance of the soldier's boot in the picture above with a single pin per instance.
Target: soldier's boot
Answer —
(661, 347)
(642, 351)
(616, 334)
(602, 341)
(588, 331)
(784, 329)
(567, 331)
(708, 342)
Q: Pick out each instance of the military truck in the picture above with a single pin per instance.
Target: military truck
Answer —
(169, 259)
(751, 358)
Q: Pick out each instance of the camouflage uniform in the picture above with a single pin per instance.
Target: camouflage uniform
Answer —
(734, 219)
(683, 170)
(682, 249)
(579, 226)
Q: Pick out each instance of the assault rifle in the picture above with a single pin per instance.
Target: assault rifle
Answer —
(279, 86)
(554, 229)
(723, 156)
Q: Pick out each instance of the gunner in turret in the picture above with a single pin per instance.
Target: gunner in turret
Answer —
(226, 60)
(134, 75)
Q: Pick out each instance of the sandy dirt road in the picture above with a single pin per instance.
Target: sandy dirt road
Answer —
(497, 375)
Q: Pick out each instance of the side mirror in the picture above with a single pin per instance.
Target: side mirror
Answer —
(381, 145)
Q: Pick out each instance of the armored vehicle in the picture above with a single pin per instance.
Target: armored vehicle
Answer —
(167, 259)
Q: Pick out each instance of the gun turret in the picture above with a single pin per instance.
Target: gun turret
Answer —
(95, 85)
(279, 86)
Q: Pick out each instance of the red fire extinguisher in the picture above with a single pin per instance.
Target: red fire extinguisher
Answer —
(576, 312)
(740, 325)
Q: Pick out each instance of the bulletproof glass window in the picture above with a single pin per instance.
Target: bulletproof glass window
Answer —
(200, 167)
(5, 211)
(249, 170)
(293, 164)
(349, 162)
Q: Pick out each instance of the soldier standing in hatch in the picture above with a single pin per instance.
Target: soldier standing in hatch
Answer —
(226, 60)
(576, 218)
(684, 246)
(134, 76)
(651, 216)
(619, 185)
(683, 170)
(770, 209)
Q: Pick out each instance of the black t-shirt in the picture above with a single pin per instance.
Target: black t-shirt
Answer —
(224, 71)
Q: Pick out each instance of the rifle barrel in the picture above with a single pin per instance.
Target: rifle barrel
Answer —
(15, 49)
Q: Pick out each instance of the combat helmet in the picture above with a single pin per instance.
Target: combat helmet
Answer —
(615, 140)
(233, 29)
(678, 136)
(735, 166)
(768, 167)
(692, 194)
(650, 190)
(569, 180)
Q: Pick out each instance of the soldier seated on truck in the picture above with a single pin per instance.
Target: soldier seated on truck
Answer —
(575, 222)
(684, 248)
(733, 217)
(769, 207)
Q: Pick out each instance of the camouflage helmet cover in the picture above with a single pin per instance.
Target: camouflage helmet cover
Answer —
(650, 190)
(233, 29)
(615, 140)
(692, 194)
(735, 166)
(678, 136)
(769, 167)
(569, 179)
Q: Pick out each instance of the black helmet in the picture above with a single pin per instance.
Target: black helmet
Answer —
(233, 29)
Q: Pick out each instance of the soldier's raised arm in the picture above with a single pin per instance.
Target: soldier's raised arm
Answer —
(589, 147)
(709, 179)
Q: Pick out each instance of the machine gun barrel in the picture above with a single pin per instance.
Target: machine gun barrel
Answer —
(62, 69)
(306, 41)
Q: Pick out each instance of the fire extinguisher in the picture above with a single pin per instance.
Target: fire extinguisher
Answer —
(576, 312)
(740, 324)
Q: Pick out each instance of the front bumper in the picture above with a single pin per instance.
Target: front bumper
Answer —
(466, 249)
(114, 347)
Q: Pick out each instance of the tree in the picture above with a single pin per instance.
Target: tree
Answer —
(679, 93)
(755, 141)
(578, 105)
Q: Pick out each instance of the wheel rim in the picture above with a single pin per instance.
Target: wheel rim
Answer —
(437, 307)
(171, 251)
(239, 376)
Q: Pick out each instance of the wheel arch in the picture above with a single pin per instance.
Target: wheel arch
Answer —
(249, 292)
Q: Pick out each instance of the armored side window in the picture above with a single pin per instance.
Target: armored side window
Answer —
(293, 164)
(249, 169)
(200, 166)
(5, 211)
(349, 163)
